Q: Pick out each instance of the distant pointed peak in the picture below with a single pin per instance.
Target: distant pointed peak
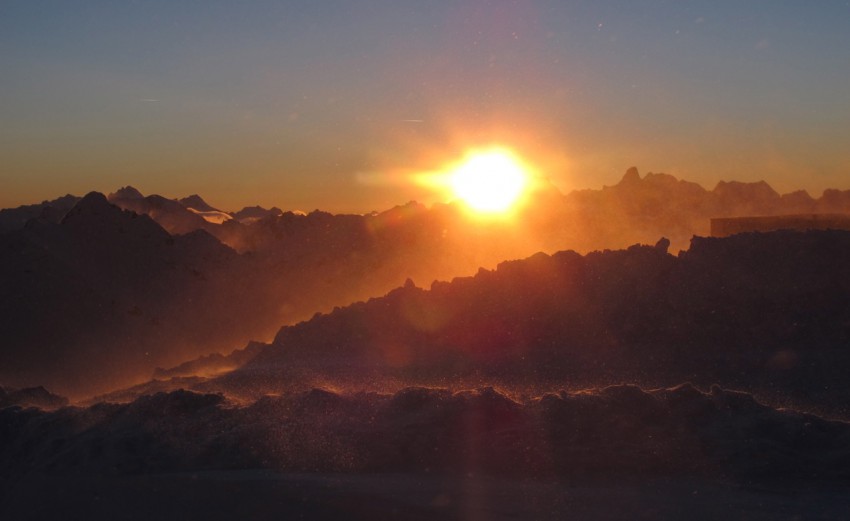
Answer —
(631, 176)
(196, 202)
(94, 203)
(126, 193)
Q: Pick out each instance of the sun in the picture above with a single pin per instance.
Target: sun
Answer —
(489, 181)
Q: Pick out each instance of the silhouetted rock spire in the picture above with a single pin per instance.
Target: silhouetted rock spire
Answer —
(631, 177)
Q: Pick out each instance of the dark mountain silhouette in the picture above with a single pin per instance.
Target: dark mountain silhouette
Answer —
(251, 214)
(834, 201)
(632, 211)
(117, 283)
(636, 210)
(767, 313)
(640, 210)
(196, 205)
(124, 296)
(127, 193)
(195, 202)
(52, 211)
(105, 295)
(172, 215)
(748, 198)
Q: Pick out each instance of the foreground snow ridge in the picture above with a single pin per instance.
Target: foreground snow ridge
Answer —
(614, 431)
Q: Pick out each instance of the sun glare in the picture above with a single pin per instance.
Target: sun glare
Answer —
(490, 181)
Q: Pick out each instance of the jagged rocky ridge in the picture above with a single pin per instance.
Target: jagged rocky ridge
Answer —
(637, 209)
(126, 296)
(768, 313)
(51, 211)
(93, 299)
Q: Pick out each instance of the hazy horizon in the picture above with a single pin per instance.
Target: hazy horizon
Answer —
(428, 200)
(336, 106)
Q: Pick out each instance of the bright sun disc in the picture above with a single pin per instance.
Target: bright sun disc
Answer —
(490, 181)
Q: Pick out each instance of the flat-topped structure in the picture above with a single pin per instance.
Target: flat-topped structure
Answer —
(725, 226)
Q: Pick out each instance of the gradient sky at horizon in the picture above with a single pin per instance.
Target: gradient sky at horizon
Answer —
(335, 104)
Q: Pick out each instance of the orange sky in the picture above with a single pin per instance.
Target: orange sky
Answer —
(335, 106)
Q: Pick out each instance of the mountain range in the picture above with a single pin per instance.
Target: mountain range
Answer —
(600, 383)
(102, 290)
(763, 313)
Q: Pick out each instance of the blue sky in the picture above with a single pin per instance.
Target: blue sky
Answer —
(334, 104)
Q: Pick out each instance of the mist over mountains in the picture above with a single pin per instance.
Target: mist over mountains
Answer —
(516, 385)
(103, 290)
(765, 313)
